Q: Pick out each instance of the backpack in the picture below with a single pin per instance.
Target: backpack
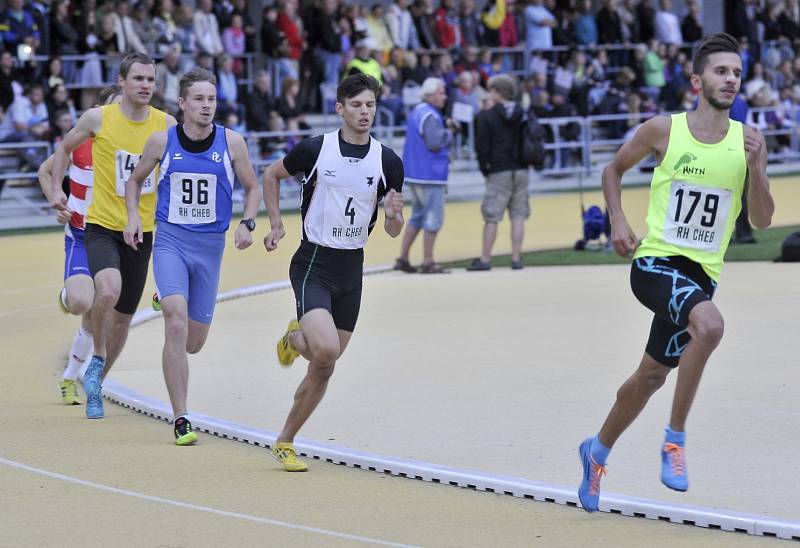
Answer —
(594, 223)
(532, 140)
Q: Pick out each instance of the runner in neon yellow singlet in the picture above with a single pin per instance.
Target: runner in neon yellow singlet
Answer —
(704, 162)
(118, 134)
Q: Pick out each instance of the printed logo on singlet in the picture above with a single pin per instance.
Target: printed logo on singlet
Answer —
(370, 181)
(684, 167)
(216, 157)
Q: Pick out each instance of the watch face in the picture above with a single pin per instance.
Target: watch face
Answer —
(250, 224)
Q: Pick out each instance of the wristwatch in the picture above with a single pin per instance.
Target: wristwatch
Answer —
(249, 223)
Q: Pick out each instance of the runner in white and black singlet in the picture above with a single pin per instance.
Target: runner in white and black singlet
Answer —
(346, 174)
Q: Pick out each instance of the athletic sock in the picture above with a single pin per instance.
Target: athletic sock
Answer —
(79, 354)
(599, 451)
(678, 438)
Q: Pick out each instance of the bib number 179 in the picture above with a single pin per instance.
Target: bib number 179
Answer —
(692, 199)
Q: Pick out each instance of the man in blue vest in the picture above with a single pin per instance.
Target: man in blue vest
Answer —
(426, 157)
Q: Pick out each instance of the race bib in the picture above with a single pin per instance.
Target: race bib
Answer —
(347, 216)
(192, 198)
(697, 216)
(125, 164)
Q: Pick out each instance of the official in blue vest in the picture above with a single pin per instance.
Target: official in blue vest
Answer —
(426, 158)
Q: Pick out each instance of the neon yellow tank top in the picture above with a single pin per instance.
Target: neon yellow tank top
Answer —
(115, 150)
(695, 197)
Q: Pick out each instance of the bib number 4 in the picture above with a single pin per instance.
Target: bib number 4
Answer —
(697, 216)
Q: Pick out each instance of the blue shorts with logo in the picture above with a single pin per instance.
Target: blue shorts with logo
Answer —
(188, 263)
(75, 260)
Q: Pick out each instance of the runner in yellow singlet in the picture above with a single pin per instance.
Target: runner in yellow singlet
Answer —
(704, 162)
(118, 134)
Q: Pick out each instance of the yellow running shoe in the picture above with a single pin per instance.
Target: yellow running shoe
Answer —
(69, 392)
(286, 352)
(183, 432)
(286, 455)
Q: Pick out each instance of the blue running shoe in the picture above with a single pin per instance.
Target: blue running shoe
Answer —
(673, 466)
(93, 388)
(589, 490)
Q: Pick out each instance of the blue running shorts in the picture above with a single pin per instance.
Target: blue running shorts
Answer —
(75, 260)
(188, 263)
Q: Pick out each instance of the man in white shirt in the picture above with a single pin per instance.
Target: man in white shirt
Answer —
(206, 29)
(668, 28)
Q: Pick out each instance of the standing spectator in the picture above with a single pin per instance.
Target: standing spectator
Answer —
(745, 23)
(654, 70)
(668, 28)
(790, 21)
(608, 23)
(144, 27)
(539, 24)
(291, 26)
(646, 15)
(127, 39)
(470, 23)
(233, 40)
(446, 23)
(401, 26)
(184, 30)
(413, 71)
(497, 144)
(378, 31)
(206, 29)
(325, 39)
(166, 26)
(248, 25)
(692, 26)
(63, 35)
(18, 26)
(426, 158)
(631, 26)
(363, 62)
(508, 34)
(423, 25)
(444, 70)
(223, 11)
(585, 25)
(492, 17)
(168, 77)
(53, 74)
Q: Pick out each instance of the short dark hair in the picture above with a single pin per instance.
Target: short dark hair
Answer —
(355, 84)
(716, 43)
(197, 74)
(107, 93)
(130, 59)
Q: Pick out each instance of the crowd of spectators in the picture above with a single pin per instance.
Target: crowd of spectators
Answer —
(302, 53)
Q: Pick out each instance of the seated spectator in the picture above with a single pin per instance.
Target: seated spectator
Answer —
(469, 61)
(465, 91)
(11, 82)
(27, 120)
(288, 106)
(168, 76)
(58, 100)
(54, 74)
(231, 121)
(62, 123)
(443, 69)
(561, 108)
(227, 86)
(755, 83)
(259, 103)
(412, 71)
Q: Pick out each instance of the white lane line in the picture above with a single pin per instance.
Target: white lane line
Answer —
(189, 506)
